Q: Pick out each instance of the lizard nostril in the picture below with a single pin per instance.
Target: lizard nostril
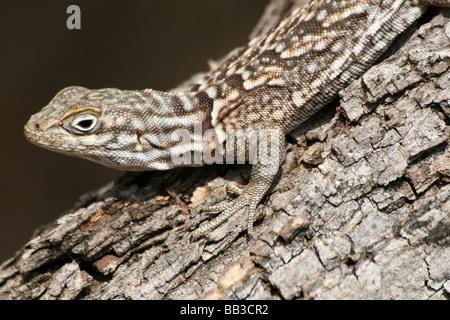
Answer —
(37, 126)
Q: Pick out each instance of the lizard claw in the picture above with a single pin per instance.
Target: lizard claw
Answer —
(231, 188)
(227, 210)
(249, 196)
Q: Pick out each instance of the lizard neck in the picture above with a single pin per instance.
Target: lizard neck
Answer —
(159, 130)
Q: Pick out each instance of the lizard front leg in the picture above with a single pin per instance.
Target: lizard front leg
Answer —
(262, 145)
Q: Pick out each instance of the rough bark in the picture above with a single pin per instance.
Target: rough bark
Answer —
(361, 209)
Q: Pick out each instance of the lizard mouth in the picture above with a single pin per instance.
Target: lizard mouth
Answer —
(33, 135)
(41, 134)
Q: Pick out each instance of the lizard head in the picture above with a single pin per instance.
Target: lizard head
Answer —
(98, 125)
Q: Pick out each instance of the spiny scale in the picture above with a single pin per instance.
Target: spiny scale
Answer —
(286, 76)
(266, 89)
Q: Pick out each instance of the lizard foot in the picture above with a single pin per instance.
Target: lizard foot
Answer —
(248, 196)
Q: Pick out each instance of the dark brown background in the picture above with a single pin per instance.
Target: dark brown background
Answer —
(125, 44)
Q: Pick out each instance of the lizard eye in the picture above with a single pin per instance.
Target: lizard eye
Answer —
(84, 123)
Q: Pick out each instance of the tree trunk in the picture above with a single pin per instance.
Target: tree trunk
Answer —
(361, 209)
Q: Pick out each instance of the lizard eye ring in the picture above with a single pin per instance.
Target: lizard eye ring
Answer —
(83, 124)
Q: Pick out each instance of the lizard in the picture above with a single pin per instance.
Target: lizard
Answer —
(248, 103)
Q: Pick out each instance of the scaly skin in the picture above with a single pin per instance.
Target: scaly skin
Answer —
(265, 90)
